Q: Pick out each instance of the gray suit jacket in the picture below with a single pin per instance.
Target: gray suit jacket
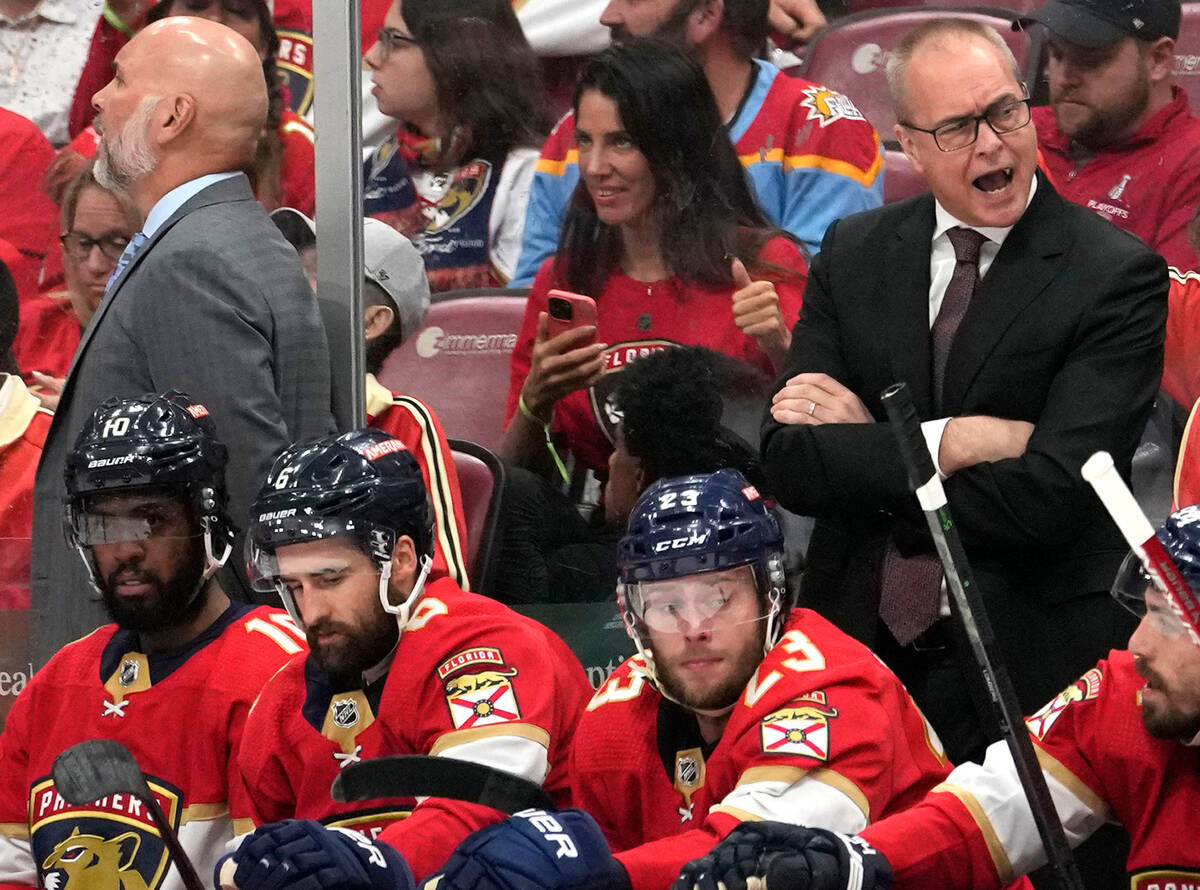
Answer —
(215, 304)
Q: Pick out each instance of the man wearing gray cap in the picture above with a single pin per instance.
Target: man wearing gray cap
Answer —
(1118, 136)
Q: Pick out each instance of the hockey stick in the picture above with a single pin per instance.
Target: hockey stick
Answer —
(419, 775)
(415, 775)
(1139, 534)
(102, 767)
(972, 613)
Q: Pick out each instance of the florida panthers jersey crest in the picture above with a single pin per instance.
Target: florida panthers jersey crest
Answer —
(180, 714)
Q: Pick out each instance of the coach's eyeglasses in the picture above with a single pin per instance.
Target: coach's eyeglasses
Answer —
(390, 39)
(79, 246)
(1003, 117)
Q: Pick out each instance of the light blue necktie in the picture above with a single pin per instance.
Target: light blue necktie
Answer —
(127, 255)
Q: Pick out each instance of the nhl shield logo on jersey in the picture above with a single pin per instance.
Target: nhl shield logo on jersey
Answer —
(345, 712)
(479, 688)
(129, 672)
(111, 843)
(1085, 688)
(800, 728)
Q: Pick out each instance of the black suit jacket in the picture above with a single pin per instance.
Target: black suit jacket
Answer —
(1066, 332)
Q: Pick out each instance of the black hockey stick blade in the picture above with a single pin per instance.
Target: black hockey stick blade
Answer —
(102, 767)
(415, 775)
(97, 768)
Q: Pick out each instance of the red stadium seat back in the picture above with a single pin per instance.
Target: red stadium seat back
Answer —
(850, 55)
(481, 482)
(900, 180)
(1187, 54)
(459, 362)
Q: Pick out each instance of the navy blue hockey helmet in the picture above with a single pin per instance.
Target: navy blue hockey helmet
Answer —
(1180, 537)
(690, 525)
(363, 484)
(166, 441)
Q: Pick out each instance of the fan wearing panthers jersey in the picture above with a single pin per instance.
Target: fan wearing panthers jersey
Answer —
(1118, 744)
(343, 530)
(810, 155)
(737, 707)
(172, 678)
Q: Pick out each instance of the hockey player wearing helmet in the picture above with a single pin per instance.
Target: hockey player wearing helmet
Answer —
(1121, 743)
(342, 529)
(738, 707)
(172, 679)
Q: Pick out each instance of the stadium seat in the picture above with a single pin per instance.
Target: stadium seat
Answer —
(459, 362)
(900, 180)
(1187, 54)
(481, 481)
(850, 54)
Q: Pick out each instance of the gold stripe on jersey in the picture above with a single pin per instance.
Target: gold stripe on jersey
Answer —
(790, 775)
(243, 826)
(464, 736)
(1071, 782)
(558, 168)
(445, 526)
(740, 815)
(394, 815)
(999, 855)
(15, 830)
(204, 812)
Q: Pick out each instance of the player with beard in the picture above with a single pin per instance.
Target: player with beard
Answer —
(1119, 744)
(172, 679)
(342, 529)
(1118, 136)
(737, 707)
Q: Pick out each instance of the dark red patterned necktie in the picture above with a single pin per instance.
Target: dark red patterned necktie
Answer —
(910, 595)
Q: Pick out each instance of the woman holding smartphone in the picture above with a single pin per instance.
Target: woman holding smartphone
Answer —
(664, 235)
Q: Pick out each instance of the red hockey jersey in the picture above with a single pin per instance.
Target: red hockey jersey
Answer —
(470, 679)
(1101, 765)
(23, 428)
(824, 734)
(413, 422)
(180, 713)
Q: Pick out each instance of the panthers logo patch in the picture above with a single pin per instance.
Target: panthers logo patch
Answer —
(464, 192)
(111, 843)
(1085, 688)
(479, 689)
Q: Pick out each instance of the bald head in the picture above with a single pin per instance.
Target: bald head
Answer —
(196, 91)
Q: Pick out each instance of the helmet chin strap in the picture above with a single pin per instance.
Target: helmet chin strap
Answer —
(403, 612)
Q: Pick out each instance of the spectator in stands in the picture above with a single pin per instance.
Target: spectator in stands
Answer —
(23, 429)
(28, 220)
(676, 407)
(396, 298)
(282, 174)
(1119, 137)
(461, 80)
(96, 225)
(810, 155)
(663, 233)
(43, 44)
(209, 296)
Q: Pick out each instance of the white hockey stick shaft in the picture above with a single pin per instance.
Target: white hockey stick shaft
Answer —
(1139, 534)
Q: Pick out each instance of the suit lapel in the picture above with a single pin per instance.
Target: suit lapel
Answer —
(906, 262)
(227, 190)
(1022, 270)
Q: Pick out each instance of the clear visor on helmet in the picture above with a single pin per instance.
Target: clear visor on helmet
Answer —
(263, 545)
(131, 518)
(706, 601)
(1134, 590)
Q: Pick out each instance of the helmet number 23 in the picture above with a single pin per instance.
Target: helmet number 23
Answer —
(686, 498)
